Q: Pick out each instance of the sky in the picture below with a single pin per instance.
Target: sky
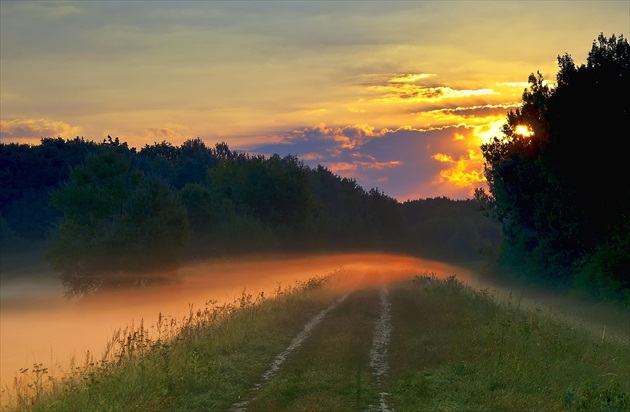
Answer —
(396, 95)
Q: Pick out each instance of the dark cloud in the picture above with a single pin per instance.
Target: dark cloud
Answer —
(400, 162)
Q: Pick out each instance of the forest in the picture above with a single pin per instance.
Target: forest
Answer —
(107, 211)
(557, 209)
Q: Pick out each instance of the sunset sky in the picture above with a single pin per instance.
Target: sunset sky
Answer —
(398, 95)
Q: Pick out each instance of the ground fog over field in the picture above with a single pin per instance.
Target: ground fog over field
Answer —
(40, 326)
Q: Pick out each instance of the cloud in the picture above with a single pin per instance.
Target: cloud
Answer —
(397, 92)
(406, 88)
(431, 77)
(405, 163)
(410, 78)
(463, 172)
(32, 130)
(173, 134)
(428, 101)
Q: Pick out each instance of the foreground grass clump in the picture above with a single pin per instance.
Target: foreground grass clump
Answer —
(202, 362)
(455, 348)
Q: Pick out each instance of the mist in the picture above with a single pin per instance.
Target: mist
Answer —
(39, 325)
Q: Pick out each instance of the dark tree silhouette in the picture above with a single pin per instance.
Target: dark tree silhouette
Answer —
(558, 189)
(116, 224)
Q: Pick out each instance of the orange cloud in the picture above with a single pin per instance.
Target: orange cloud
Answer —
(410, 78)
(341, 167)
(477, 108)
(406, 162)
(30, 130)
(406, 92)
(466, 171)
(311, 156)
(171, 133)
(353, 109)
(348, 137)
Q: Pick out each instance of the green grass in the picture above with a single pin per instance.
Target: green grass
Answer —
(452, 348)
(332, 370)
(205, 361)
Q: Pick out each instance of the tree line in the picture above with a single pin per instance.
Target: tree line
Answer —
(557, 191)
(107, 210)
(557, 177)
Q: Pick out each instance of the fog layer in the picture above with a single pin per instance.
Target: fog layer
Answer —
(38, 325)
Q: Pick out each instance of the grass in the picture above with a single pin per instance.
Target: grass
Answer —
(452, 348)
(204, 361)
(332, 371)
(455, 348)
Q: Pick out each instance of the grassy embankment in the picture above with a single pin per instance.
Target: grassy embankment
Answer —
(450, 348)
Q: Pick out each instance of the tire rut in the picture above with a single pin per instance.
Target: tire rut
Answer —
(379, 354)
(378, 362)
(295, 344)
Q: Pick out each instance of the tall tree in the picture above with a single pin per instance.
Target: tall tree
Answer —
(555, 173)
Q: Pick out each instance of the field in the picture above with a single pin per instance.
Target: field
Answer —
(419, 344)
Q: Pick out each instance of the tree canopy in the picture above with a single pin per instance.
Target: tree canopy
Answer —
(556, 174)
(111, 215)
(115, 220)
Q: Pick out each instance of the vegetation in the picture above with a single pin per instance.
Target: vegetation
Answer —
(115, 219)
(552, 175)
(111, 214)
(455, 348)
(451, 348)
(108, 211)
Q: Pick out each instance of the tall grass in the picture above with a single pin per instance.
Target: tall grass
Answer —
(456, 348)
(205, 360)
(451, 347)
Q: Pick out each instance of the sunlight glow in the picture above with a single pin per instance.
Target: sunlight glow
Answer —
(523, 131)
(39, 324)
(487, 132)
(464, 172)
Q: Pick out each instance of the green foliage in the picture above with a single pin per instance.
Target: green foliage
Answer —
(549, 188)
(339, 205)
(7, 234)
(272, 190)
(200, 206)
(100, 206)
(451, 230)
(115, 220)
(604, 273)
(28, 173)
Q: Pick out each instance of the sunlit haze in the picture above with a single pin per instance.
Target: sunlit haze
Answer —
(398, 95)
(40, 326)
